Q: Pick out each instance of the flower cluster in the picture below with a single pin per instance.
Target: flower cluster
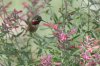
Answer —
(62, 37)
(88, 48)
(59, 33)
(46, 60)
(11, 21)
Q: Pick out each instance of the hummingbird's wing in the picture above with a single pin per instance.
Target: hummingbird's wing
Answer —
(27, 21)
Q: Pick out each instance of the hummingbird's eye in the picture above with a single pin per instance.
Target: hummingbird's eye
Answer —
(38, 18)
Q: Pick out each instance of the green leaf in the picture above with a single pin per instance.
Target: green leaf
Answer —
(76, 36)
(55, 18)
(40, 51)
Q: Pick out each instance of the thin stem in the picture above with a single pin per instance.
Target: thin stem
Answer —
(88, 16)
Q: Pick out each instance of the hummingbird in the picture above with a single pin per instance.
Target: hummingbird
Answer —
(33, 23)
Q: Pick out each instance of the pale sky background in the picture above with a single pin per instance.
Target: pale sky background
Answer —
(18, 3)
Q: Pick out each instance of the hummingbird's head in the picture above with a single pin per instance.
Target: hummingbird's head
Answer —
(38, 18)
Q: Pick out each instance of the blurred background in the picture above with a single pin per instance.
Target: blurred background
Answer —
(81, 15)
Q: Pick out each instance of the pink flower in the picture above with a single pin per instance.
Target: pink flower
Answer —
(46, 60)
(96, 47)
(63, 36)
(55, 27)
(90, 50)
(97, 56)
(92, 63)
(25, 4)
(51, 25)
(16, 11)
(73, 31)
(58, 33)
(86, 56)
(89, 40)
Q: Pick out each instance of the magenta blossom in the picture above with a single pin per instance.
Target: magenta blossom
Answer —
(97, 56)
(46, 60)
(51, 25)
(92, 63)
(86, 56)
(72, 31)
(63, 36)
(25, 4)
(59, 32)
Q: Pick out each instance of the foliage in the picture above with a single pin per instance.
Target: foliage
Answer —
(74, 38)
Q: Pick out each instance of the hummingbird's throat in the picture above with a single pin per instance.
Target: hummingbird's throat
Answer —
(35, 22)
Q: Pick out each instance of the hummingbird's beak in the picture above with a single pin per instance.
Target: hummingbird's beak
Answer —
(43, 20)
